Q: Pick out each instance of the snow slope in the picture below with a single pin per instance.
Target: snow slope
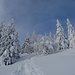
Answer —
(28, 68)
(7, 70)
(62, 63)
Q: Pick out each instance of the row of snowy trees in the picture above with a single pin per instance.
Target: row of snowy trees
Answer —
(40, 44)
(46, 44)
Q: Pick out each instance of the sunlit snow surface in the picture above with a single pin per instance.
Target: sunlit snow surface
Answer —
(62, 63)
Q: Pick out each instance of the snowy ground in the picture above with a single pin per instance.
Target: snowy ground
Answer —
(27, 68)
(7, 70)
(62, 63)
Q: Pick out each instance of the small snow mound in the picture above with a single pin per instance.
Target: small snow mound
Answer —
(28, 68)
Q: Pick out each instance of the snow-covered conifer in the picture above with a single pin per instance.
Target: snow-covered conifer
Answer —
(51, 43)
(27, 47)
(60, 35)
(71, 34)
(34, 37)
(11, 44)
(2, 38)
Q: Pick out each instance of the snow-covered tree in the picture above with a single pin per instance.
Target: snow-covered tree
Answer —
(34, 37)
(11, 45)
(27, 47)
(71, 34)
(2, 38)
(60, 36)
(41, 49)
(66, 43)
(46, 44)
(51, 43)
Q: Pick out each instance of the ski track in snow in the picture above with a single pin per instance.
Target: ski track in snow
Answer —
(28, 68)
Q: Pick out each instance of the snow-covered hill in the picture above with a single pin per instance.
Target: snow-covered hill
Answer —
(62, 63)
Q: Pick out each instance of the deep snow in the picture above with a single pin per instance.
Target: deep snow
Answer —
(62, 63)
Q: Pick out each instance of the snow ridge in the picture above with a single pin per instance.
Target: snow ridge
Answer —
(28, 68)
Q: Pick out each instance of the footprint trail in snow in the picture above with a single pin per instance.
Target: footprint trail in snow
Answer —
(28, 68)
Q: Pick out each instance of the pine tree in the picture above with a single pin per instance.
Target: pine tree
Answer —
(2, 38)
(51, 43)
(35, 41)
(27, 47)
(46, 44)
(34, 37)
(11, 44)
(41, 48)
(71, 34)
(66, 43)
(60, 35)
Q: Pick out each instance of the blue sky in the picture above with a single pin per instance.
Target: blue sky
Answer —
(37, 15)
